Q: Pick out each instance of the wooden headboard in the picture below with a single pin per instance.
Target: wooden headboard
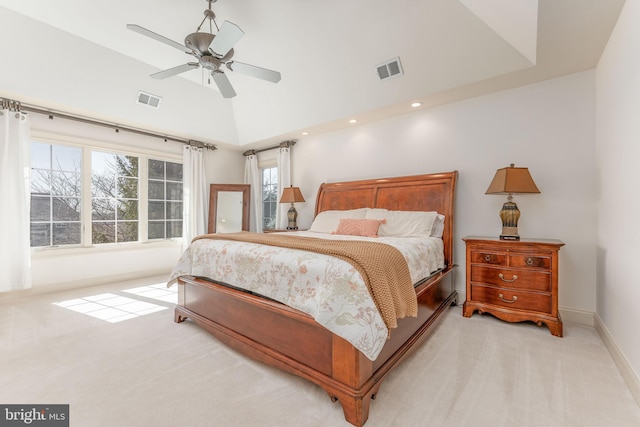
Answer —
(432, 192)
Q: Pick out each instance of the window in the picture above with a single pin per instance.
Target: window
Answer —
(120, 198)
(269, 196)
(114, 198)
(56, 178)
(165, 199)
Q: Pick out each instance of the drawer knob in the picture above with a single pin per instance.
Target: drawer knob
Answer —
(487, 258)
(501, 276)
(511, 301)
(529, 261)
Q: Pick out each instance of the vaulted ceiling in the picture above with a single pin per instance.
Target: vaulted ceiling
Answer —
(79, 57)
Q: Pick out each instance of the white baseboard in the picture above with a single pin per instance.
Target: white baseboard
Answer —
(629, 375)
(571, 315)
(77, 284)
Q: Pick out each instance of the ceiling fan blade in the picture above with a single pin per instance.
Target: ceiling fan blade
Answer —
(158, 37)
(175, 70)
(226, 38)
(223, 83)
(254, 71)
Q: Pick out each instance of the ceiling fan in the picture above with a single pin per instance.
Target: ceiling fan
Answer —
(212, 51)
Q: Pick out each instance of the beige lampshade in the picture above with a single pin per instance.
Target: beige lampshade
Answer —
(291, 195)
(512, 180)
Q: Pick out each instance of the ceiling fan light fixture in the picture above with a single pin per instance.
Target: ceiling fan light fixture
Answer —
(210, 63)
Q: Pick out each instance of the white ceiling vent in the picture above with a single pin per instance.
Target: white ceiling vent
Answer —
(388, 69)
(148, 99)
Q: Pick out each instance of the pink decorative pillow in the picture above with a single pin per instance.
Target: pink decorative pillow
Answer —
(359, 227)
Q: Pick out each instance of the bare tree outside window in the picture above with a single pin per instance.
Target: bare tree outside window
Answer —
(269, 197)
(57, 193)
(165, 200)
(114, 198)
(56, 189)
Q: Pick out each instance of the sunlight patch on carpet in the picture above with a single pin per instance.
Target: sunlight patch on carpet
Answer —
(158, 292)
(110, 307)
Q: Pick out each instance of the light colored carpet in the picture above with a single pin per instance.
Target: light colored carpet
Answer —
(150, 371)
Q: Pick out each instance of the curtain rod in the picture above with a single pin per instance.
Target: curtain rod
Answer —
(18, 106)
(283, 144)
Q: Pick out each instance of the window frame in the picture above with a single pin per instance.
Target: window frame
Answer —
(50, 196)
(88, 145)
(117, 199)
(270, 164)
(166, 181)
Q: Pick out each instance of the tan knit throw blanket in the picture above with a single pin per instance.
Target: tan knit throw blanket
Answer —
(382, 267)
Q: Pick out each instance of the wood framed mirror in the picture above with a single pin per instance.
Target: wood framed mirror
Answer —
(228, 208)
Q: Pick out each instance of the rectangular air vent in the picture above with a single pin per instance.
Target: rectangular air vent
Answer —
(388, 69)
(148, 99)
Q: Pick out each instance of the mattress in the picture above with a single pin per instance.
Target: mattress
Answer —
(326, 288)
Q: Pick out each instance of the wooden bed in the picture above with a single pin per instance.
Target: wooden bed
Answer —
(255, 326)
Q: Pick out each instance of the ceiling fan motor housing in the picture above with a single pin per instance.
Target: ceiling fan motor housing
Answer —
(199, 42)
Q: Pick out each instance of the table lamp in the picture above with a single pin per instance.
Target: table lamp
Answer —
(511, 180)
(292, 195)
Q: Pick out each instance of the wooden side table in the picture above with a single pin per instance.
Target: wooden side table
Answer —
(514, 280)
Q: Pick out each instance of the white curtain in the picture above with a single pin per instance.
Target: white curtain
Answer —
(15, 193)
(194, 185)
(284, 180)
(252, 177)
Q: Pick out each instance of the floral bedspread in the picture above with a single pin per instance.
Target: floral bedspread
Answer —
(328, 289)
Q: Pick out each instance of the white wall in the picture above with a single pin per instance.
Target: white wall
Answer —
(548, 127)
(225, 166)
(68, 268)
(618, 149)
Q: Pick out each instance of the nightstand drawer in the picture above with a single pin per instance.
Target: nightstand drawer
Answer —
(530, 261)
(512, 299)
(522, 279)
(488, 258)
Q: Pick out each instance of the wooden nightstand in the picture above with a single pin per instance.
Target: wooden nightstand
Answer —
(514, 280)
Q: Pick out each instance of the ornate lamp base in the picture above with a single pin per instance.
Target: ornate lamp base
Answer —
(292, 215)
(509, 215)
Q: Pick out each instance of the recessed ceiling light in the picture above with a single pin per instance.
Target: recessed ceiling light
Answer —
(305, 133)
(416, 104)
(353, 121)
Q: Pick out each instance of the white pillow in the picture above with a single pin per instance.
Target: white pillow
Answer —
(438, 226)
(403, 223)
(327, 221)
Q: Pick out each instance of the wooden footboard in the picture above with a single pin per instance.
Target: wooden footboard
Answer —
(254, 326)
